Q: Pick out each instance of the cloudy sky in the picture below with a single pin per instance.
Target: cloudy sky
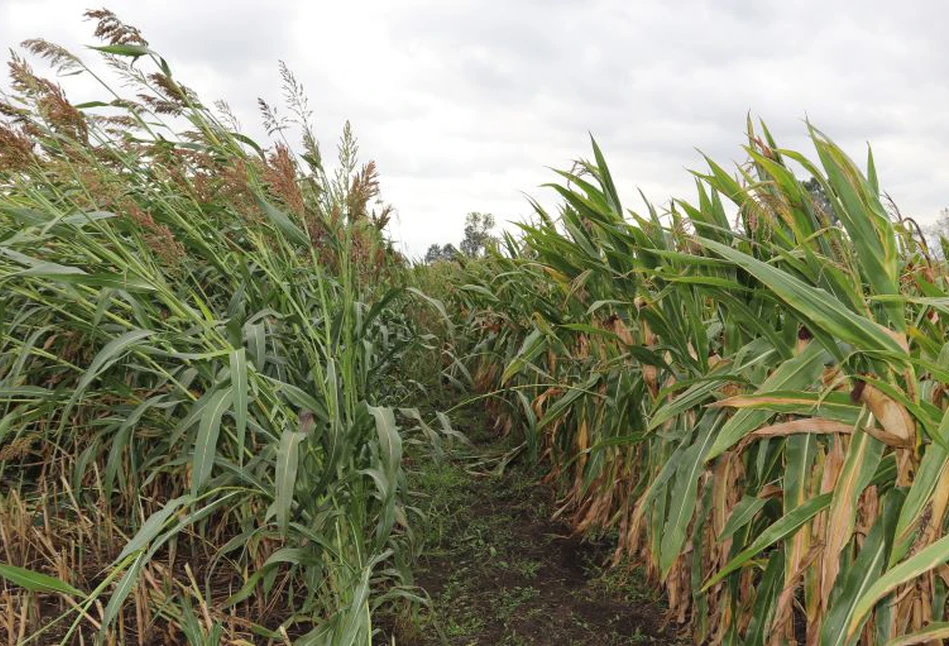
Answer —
(465, 105)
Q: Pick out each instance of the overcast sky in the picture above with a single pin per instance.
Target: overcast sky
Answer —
(464, 105)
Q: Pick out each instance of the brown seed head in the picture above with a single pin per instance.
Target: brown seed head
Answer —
(59, 57)
(113, 30)
(16, 150)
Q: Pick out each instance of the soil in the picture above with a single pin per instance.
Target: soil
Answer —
(500, 571)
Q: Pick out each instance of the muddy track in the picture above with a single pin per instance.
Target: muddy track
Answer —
(500, 571)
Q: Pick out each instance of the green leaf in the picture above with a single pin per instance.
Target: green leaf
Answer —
(122, 590)
(931, 469)
(684, 494)
(745, 511)
(766, 593)
(108, 355)
(238, 361)
(288, 461)
(390, 442)
(852, 583)
(797, 372)
(930, 557)
(781, 528)
(532, 344)
(205, 445)
(92, 104)
(434, 302)
(36, 581)
(151, 527)
(938, 631)
(135, 51)
(562, 405)
(689, 399)
(284, 224)
(815, 304)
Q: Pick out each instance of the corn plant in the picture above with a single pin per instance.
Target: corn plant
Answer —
(755, 406)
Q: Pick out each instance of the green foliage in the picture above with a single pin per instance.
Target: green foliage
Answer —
(755, 404)
(478, 237)
(444, 252)
(205, 343)
(202, 342)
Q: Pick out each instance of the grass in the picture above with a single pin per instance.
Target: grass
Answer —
(202, 415)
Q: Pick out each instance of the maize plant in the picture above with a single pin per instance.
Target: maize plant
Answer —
(748, 389)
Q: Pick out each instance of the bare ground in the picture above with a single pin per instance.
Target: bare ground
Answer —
(499, 571)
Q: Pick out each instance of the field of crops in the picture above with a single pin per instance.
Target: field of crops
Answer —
(212, 366)
(756, 408)
(201, 347)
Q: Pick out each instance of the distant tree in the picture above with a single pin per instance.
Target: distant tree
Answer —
(478, 236)
(440, 252)
(820, 199)
(940, 228)
(937, 234)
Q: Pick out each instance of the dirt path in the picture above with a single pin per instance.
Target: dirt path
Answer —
(499, 571)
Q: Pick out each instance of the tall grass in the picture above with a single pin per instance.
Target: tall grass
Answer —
(755, 407)
(200, 343)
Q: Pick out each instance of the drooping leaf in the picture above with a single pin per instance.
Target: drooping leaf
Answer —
(36, 581)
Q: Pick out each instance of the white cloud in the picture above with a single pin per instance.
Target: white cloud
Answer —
(464, 104)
